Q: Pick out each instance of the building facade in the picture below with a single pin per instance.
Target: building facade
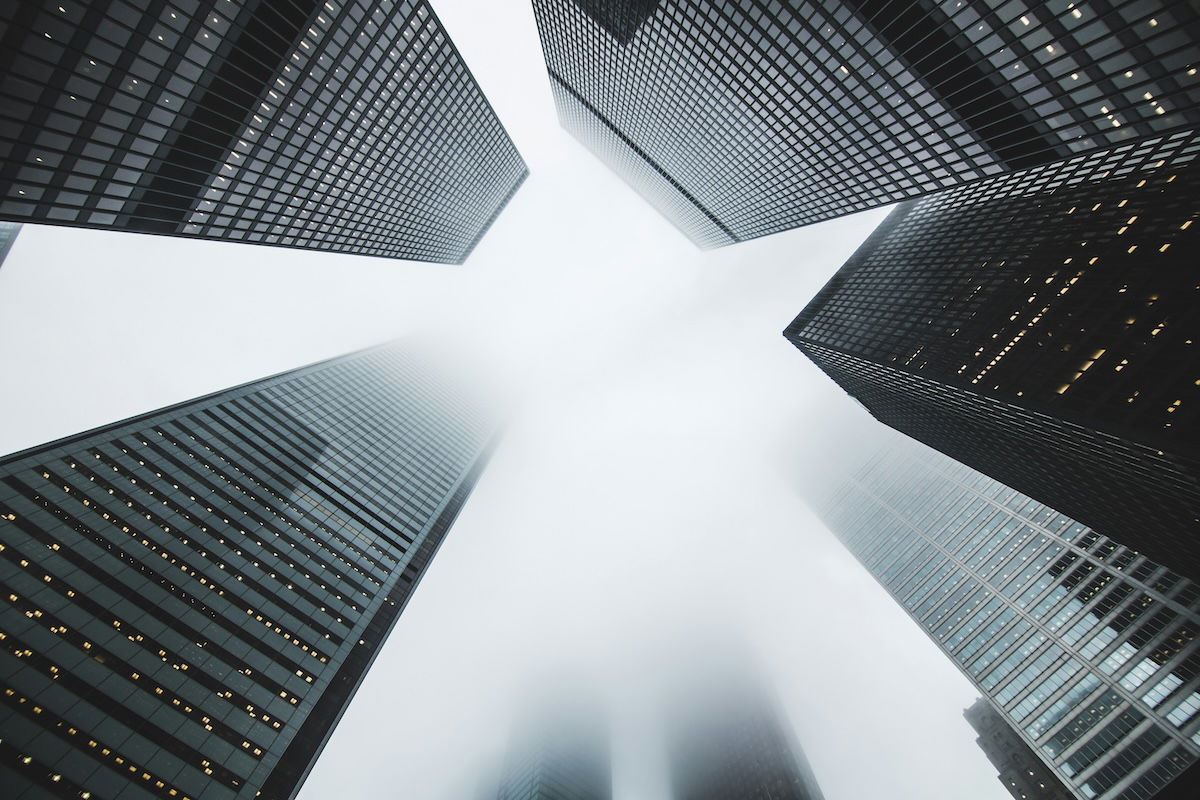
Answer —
(1021, 772)
(1086, 647)
(350, 126)
(743, 118)
(192, 596)
(559, 752)
(727, 739)
(8, 234)
(1043, 328)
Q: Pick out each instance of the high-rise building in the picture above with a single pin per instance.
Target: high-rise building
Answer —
(741, 118)
(350, 126)
(192, 596)
(1043, 328)
(8, 234)
(1023, 774)
(727, 738)
(1086, 647)
(559, 751)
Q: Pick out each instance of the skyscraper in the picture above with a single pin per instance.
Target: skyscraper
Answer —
(1041, 327)
(1021, 771)
(8, 234)
(743, 118)
(192, 596)
(1088, 648)
(349, 125)
(727, 738)
(559, 751)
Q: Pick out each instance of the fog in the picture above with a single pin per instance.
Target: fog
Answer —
(647, 481)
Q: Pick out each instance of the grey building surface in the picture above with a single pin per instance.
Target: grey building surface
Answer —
(8, 235)
(1086, 647)
(351, 126)
(1042, 327)
(558, 752)
(727, 738)
(192, 596)
(1021, 772)
(742, 118)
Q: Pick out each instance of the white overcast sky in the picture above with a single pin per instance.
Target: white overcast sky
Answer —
(637, 490)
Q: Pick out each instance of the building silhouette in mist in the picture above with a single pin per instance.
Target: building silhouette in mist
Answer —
(8, 235)
(1021, 771)
(192, 596)
(1086, 647)
(558, 752)
(743, 118)
(727, 739)
(351, 126)
(1041, 327)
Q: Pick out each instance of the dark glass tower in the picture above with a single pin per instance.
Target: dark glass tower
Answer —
(1021, 771)
(727, 740)
(349, 125)
(1087, 648)
(191, 597)
(742, 118)
(1044, 328)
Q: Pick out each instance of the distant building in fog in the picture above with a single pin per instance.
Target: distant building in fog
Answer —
(1021, 771)
(558, 751)
(727, 739)
(741, 118)
(1042, 327)
(1087, 647)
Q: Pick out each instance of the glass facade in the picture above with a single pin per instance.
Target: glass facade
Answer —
(191, 597)
(1041, 327)
(1087, 647)
(348, 125)
(8, 234)
(727, 740)
(559, 753)
(742, 118)
(1021, 772)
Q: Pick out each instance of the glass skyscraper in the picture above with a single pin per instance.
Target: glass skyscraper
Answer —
(1087, 647)
(1042, 327)
(559, 751)
(192, 596)
(741, 118)
(344, 125)
(727, 737)
(1021, 772)
(8, 234)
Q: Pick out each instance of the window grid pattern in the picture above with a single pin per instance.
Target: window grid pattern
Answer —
(192, 596)
(1022, 632)
(1019, 768)
(349, 125)
(741, 119)
(1041, 326)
